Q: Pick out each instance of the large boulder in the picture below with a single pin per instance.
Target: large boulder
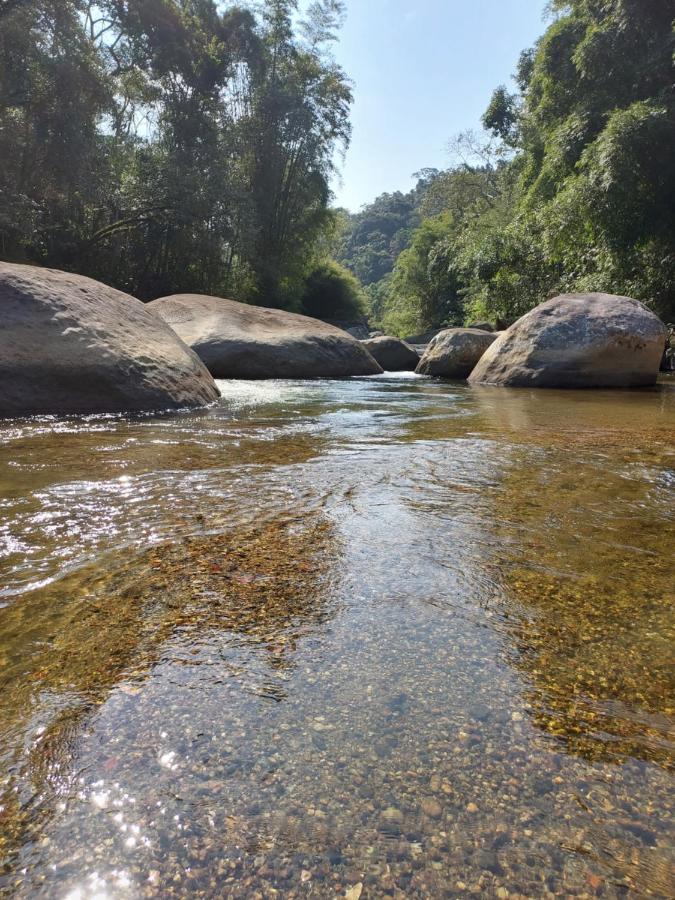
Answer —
(577, 341)
(455, 352)
(239, 341)
(358, 330)
(423, 339)
(393, 354)
(69, 344)
(482, 326)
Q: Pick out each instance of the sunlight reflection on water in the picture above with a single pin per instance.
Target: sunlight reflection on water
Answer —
(383, 631)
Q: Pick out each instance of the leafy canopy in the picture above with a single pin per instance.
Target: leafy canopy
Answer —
(170, 145)
(571, 188)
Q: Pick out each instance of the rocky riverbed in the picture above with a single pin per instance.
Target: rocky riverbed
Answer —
(383, 637)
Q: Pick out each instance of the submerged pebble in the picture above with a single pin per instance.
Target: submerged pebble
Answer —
(371, 638)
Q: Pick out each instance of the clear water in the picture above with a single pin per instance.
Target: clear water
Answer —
(384, 637)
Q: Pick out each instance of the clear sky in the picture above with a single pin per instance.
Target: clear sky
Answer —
(423, 70)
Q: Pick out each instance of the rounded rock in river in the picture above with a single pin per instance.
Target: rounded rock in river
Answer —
(577, 341)
(236, 340)
(454, 353)
(71, 345)
(393, 354)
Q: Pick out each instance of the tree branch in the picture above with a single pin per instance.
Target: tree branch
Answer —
(8, 6)
(130, 222)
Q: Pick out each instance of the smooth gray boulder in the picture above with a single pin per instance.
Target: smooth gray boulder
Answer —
(577, 341)
(71, 345)
(393, 354)
(454, 353)
(235, 340)
(423, 339)
(358, 330)
(482, 326)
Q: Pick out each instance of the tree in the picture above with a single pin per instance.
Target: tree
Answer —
(8, 6)
(572, 188)
(501, 116)
(433, 276)
(173, 63)
(424, 289)
(170, 145)
(52, 97)
(299, 101)
(379, 232)
(593, 124)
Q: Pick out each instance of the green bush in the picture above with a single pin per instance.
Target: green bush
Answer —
(332, 293)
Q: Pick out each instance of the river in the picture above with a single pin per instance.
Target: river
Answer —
(381, 637)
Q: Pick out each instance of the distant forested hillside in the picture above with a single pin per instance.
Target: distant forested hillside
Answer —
(571, 187)
(369, 242)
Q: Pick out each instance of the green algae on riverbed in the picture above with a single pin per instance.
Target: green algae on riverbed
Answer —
(385, 637)
(591, 619)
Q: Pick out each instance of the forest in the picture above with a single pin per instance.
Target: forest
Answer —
(570, 187)
(168, 146)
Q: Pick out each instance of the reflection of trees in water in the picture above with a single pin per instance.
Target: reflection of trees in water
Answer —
(590, 570)
(592, 420)
(249, 596)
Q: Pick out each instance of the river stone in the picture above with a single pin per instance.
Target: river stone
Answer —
(358, 330)
(391, 820)
(239, 341)
(577, 341)
(455, 352)
(423, 339)
(432, 808)
(393, 354)
(71, 345)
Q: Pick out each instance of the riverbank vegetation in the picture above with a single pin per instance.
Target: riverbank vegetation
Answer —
(570, 188)
(167, 146)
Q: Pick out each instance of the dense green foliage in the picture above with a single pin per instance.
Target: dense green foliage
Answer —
(423, 287)
(170, 145)
(572, 188)
(333, 293)
(370, 241)
(188, 145)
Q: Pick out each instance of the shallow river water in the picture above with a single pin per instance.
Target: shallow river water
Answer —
(364, 638)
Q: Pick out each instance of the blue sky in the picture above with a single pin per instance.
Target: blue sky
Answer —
(423, 70)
